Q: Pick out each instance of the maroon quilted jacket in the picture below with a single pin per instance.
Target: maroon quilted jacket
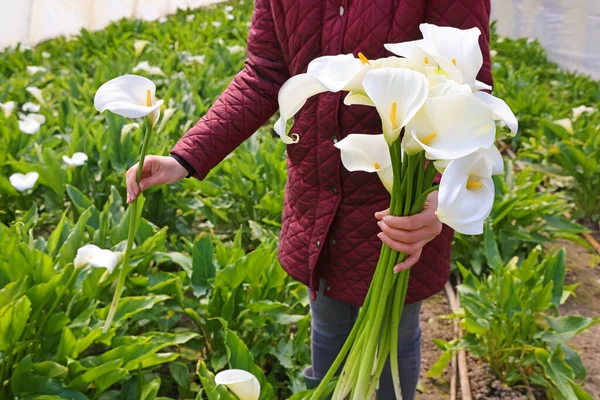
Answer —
(328, 227)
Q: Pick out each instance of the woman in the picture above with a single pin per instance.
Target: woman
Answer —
(332, 223)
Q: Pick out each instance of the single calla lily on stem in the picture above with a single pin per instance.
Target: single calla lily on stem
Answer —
(491, 153)
(23, 182)
(131, 96)
(398, 94)
(241, 382)
(76, 160)
(368, 153)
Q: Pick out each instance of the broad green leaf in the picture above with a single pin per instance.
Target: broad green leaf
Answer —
(130, 306)
(203, 268)
(437, 369)
(74, 241)
(150, 390)
(50, 369)
(13, 320)
(180, 374)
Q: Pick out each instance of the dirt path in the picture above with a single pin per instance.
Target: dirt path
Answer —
(583, 268)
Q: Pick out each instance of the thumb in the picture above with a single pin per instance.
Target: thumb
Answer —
(380, 214)
(149, 181)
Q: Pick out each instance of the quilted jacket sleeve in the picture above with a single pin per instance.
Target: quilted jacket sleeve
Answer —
(247, 103)
(465, 14)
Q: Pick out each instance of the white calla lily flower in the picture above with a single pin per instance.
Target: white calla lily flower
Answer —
(578, 111)
(242, 383)
(31, 107)
(8, 108)
(23, 182)
(398, 94)
(466, 194)
(36, 93)
(130, 96)
(38, 117)
(149, 69)
(195, 59)
(128, 128)
(96, 257)
(139, 45)
(455, 51)
(367, 153)
(566, 124)
(491, 153)
(76, 160)
(335, 73)
(34, 69)
(235, 49)
(45, 54)
(450, 127)
(501, 111)
(29, 125)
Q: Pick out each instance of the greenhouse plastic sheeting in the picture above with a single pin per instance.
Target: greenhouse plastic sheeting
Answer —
(33, 21)
(569, 30)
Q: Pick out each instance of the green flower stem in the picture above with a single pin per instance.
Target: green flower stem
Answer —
(132, 231)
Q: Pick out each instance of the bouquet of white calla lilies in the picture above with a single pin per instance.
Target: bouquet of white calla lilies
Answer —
(434, 118)
(130, 96)
(241, 382)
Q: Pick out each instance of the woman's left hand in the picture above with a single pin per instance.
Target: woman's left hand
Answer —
(410, 234)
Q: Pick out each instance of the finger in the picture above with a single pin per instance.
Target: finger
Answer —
(148, 182)
(426, 233)
(409, 262)
(412, 222)
(380, 214)
(131, 182)
(407, 248)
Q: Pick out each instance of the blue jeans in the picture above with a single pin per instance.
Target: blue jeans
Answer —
(332, 321)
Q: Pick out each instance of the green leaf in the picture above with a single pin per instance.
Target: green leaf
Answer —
(492, 254)
(437, 369)
(50, 369)
(94, 373)
(74, 241)
(203, 268)
(150, 390)
(13, 320)
(82, 203)
(181, 374)
(130, 306)
(565, 328)
(58, 236)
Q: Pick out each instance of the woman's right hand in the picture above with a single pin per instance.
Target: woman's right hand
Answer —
(157, 170)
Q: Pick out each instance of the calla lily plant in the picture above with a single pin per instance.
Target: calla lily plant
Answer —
(435, 117)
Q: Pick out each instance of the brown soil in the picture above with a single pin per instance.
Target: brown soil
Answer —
(583, 268)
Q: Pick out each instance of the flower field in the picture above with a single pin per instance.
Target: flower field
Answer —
(204, 290)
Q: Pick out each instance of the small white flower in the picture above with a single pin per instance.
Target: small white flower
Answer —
(229, 17)
(216, 24)
(190, 17)
(566, 124)
(166, 116)
(493, 53)
(242, 383)
(236, 49)
(8, 108)
(577, 111)
(38, 117)
(195, 59)
(128, 128)
(37, 93)
(29, 125)
(96, 257)
(25, 47)
(228, 9)
(34, 69)
(500, 39)
(146, 67)
(76, 160)
(45, 54)
(22, 182)
(139, 46)
(31, 107)
(530, 40)
(162, 20)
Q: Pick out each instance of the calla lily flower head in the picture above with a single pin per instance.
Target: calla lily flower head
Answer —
(398, 94)
(31, 107)
(149, 69)
(566, 124)
(29, 125)
(139, 45)
(367, 153)
(455, 51)
(96, 257)
(34, 69)
(466, 193)
(130, 96)
(8, 108)
(578, 111)
(242, 383)
(23, 182)
(76, 160)
(36, 93)
(128, 128)
(491, 153)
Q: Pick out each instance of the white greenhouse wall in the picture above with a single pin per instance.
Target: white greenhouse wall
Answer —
(569, 30)
(33, 21)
